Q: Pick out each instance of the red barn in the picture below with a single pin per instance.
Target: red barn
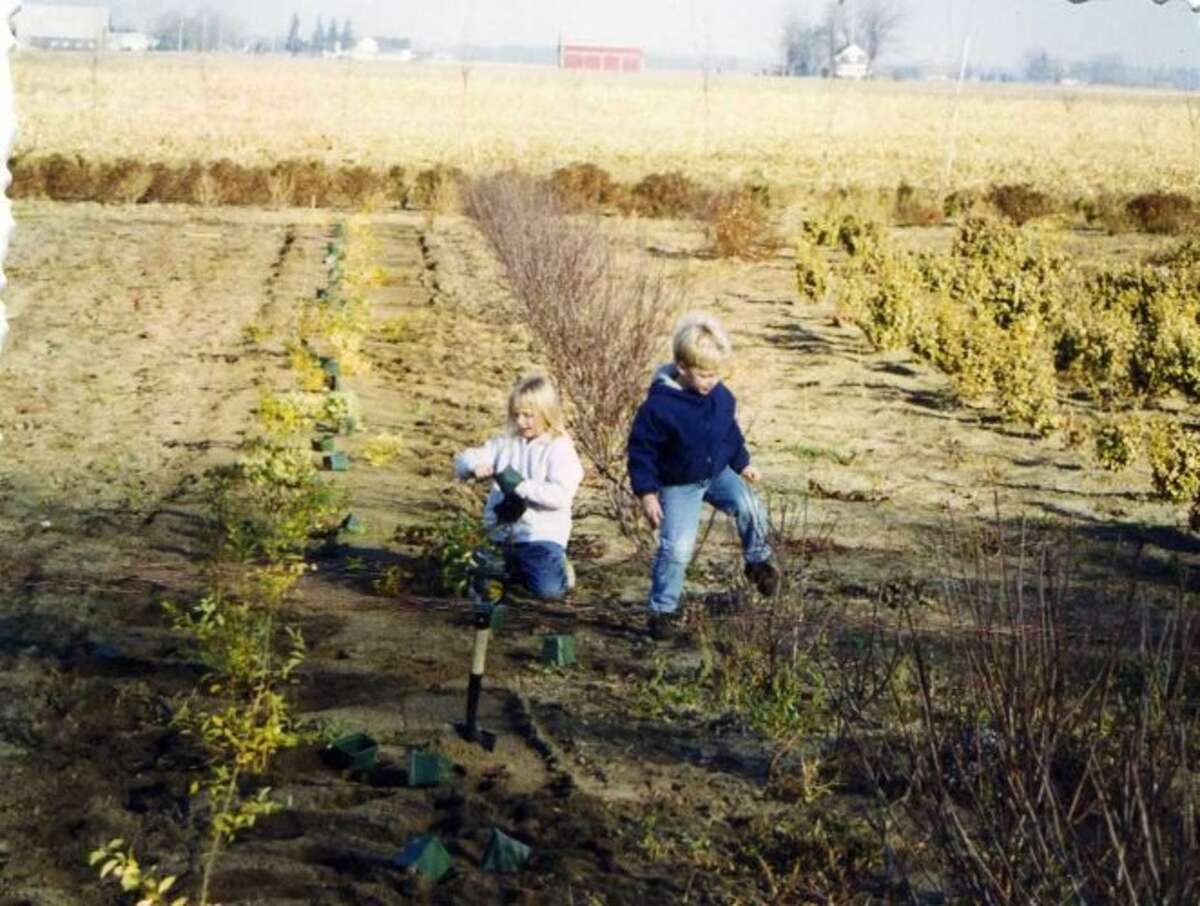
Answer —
(599, 58)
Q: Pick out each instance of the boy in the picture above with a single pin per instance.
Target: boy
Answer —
(686, 448)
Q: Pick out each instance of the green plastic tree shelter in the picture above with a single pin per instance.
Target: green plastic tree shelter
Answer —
(504, 855)
(8, 133)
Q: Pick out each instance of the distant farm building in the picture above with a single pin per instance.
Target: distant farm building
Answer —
(851, 62)
(62, 27)
(130, 41)
(600, 58)
(397, 49)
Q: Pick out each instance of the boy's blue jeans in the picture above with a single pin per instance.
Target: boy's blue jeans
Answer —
(681, 505)
(541, 566)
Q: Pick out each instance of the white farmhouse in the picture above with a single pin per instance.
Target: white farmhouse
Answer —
(62, 27)
(396, 49)
(851, 62)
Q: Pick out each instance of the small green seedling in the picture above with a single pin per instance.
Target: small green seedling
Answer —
(504, 855)
(355, 752)
(335, 462)
(425, 856)
(558, 650)
(427, 768)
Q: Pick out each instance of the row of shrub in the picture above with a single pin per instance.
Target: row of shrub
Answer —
(268, 508)
(310, 183)
(1013, 321)
(580, 187)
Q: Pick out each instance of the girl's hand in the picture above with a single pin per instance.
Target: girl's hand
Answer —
(484, 471)
(751, 474)
(652, 507)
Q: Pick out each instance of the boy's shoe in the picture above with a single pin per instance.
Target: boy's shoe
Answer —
(763, 576)
(665, 627)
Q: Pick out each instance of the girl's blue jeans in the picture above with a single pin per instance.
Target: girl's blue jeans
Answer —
(681, 504)
(541, 566)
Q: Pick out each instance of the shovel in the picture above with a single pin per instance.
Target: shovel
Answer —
(483, 618)
(488, 591)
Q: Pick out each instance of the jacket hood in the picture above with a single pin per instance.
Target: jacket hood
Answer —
(667, 378)
(664, 376)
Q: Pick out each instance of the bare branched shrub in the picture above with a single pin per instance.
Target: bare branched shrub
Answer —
(916, 208)
(1165, 213)
(1044, 737)
(584, 186)
(738, 227)
(124, 181)
(599, 320)
(1020, 202)
(437, 189)
(666, 195)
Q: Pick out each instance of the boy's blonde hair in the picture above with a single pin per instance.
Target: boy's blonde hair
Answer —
(701, 342)
(537, 392)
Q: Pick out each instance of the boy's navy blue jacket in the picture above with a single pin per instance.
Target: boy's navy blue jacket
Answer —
(681, 437)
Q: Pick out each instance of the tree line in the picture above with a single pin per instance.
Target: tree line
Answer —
(206, 30)
(324, 38)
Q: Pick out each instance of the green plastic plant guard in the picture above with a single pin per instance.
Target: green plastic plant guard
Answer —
(326, 443)
(425, 856)
(558, 650)
(427, 768)
(336, 462)
(330, 366)
(354, 524)
(496, 617)
(504, 855)
(355, 751)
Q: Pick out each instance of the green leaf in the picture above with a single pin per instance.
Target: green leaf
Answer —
(108, 867)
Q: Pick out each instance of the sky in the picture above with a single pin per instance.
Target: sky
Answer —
(935, 30)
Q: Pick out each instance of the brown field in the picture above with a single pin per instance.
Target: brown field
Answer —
(811, 135)
(130, 370)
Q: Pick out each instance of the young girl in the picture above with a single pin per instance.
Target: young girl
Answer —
(535, 473)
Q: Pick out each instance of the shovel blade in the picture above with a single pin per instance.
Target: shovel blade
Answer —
(475, 733)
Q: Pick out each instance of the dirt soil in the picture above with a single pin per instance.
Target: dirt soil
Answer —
(142, 339)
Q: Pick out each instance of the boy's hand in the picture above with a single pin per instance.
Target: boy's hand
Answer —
(751, 474)
(484, 471)
(652, 507)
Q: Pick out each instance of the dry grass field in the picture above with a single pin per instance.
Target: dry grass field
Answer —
(808, 134)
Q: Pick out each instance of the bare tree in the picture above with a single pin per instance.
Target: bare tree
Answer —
(805, 50)
(599, 317)
(836, 30)
(877, 24)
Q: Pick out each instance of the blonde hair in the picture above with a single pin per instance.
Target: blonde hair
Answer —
(701, 342)
(537, 392)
